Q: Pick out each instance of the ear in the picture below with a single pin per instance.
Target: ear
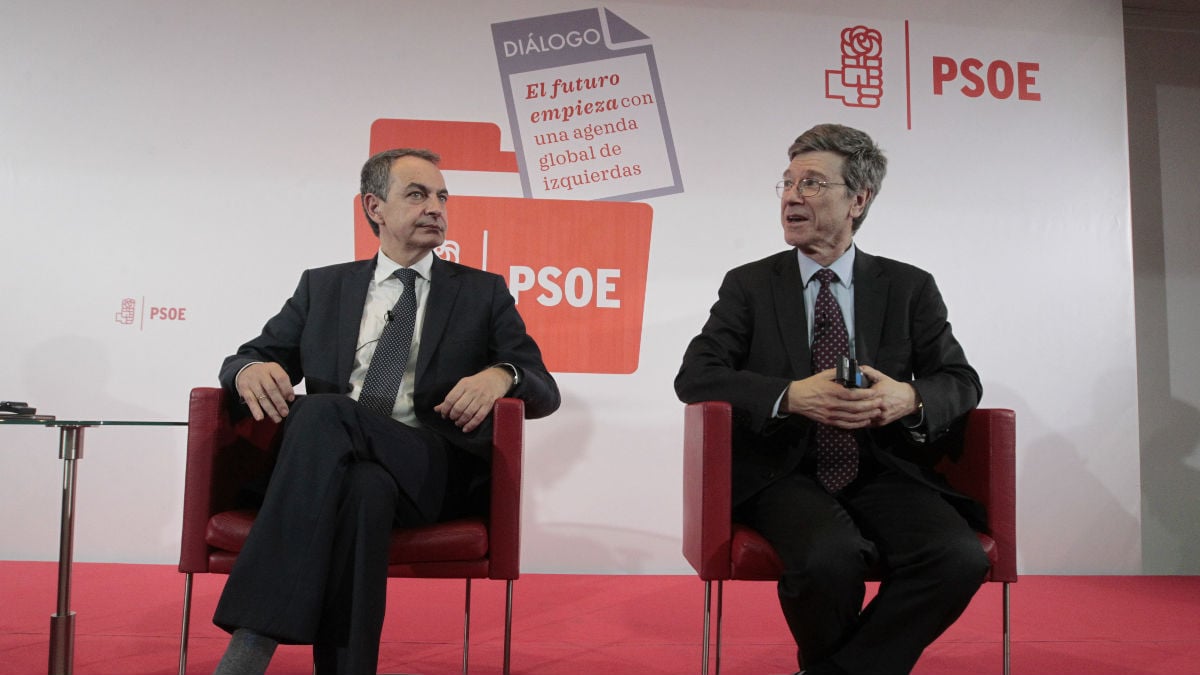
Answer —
(861, 199)
(371, 204)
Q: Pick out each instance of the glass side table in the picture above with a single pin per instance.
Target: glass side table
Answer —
(70, 450)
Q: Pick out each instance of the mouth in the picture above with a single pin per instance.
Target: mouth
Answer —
(795, 218)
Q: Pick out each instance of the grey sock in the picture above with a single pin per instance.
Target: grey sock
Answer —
(248, 653)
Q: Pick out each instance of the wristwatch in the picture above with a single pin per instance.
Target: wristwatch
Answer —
(516, 373)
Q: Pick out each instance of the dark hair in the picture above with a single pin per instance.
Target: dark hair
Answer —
(865, 165)
(377, 175)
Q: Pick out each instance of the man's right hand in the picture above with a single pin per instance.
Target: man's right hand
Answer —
(266, 389)
(822, 399)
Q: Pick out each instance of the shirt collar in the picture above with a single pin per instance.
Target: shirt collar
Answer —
(385, 267)
(843, 267)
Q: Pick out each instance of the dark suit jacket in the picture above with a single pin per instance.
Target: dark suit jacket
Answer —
(755, 342)
(471, 322)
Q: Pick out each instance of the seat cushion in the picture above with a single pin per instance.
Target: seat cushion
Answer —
(456, 540)
(227, 531)
(465, 539)
(752, 558)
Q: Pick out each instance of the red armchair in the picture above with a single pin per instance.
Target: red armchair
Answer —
(721, 550)
(222, 455)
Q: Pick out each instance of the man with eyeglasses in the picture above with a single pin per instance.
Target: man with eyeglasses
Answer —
(402, 356)
(826, 462)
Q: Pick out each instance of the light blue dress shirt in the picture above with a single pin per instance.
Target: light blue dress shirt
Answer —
(843, 292)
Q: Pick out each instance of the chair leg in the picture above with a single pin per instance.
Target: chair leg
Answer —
(1008, 634)
(508, 613)
(187, 615)
(467, 629)
(708, 626)
(707, 623)
(720, 611)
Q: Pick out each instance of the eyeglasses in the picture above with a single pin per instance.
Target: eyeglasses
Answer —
(809, 187)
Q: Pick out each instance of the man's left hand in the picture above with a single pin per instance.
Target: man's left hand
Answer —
(897, 398)
(470, 401)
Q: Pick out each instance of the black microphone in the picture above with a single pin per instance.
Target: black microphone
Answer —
(388, 316)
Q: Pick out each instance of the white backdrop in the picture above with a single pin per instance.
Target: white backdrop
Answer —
(200, 155)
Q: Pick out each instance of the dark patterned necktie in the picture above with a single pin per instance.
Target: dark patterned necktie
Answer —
(391, 354)
(837, 450)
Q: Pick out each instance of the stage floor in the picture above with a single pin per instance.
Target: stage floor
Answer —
(128, 623)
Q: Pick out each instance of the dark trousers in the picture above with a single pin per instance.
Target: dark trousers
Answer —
(933, 561)
(314, 568)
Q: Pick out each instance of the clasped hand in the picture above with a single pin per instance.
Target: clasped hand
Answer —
(820, 398)
(267, 390)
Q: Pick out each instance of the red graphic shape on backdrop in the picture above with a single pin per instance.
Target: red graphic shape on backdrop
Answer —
(463, 146)
(577, 269)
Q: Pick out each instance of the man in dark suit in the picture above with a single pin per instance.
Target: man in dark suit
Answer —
(837, 477)
(402, 357)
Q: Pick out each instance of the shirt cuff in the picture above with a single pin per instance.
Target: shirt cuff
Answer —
(775, 414)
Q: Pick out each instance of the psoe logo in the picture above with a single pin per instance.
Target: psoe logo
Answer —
(449, 251)
(859, 82)
(130, 314)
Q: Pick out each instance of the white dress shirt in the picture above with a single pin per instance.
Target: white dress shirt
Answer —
(382, 294)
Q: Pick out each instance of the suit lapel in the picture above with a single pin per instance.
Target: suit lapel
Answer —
(788, 290)
(870, 305)
(443, 289)
(352, 298)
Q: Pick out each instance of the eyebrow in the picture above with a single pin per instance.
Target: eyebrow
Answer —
(426, 189)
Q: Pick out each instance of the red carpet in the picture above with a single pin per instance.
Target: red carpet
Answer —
(128, 623)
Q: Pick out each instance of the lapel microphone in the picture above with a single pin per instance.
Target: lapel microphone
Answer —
(388, 316)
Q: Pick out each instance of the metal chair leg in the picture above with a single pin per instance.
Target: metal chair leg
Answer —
(720, 611)
(1008, 634)
(707, 623)
(467, 629)
(508, 613)
(187, 615)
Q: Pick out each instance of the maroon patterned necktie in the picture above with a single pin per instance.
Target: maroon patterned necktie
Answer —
(837, 450)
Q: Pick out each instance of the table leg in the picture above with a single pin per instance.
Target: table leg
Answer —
(62, 622)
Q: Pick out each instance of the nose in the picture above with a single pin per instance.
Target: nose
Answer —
(434, 205)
